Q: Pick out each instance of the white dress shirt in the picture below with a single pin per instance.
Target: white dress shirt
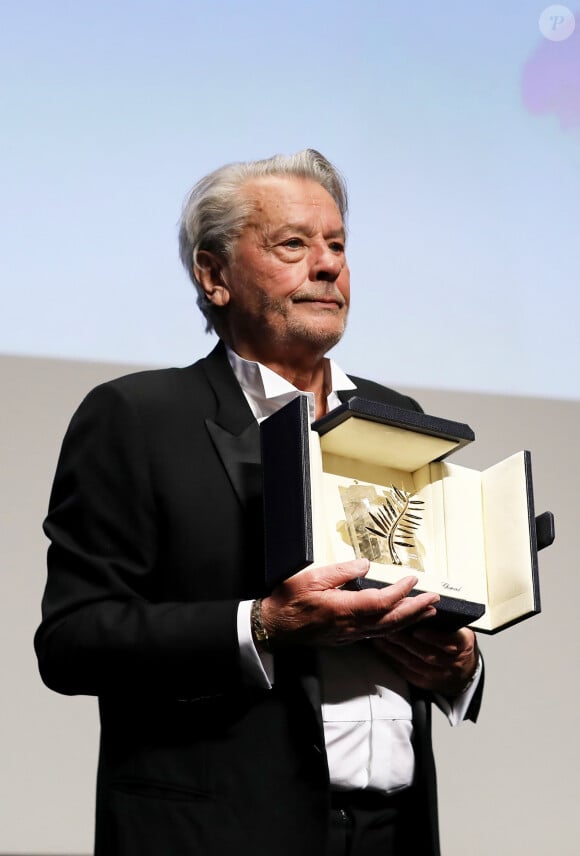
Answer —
(366, 708)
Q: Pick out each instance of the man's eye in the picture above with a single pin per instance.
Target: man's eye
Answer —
(336, 247)
(293, 243)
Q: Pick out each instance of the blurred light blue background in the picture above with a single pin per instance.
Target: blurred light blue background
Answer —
(464, 178)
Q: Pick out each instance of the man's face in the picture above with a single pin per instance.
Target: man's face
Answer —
(288, 282)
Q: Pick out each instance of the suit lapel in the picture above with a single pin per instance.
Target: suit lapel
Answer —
(240, 455)
(234, 431)
(236, 436)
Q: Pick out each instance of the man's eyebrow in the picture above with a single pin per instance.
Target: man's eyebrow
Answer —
(337, 233)
(302, 229)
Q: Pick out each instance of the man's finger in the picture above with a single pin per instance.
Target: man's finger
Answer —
(377, 600)
(450, 642)
(331, 576)
(408, 612)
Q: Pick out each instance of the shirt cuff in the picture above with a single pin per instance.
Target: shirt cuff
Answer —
(257, 666)
(456, 708)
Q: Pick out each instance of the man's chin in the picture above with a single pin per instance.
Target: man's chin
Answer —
(320, 336)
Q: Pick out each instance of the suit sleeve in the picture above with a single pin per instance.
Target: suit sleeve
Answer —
(103, 628)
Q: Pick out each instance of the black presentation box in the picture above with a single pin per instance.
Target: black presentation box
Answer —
(371, 480)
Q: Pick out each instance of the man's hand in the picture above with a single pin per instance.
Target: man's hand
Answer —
(431, 659)
(310, 608)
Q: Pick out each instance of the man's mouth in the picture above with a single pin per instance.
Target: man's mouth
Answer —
(328, 301)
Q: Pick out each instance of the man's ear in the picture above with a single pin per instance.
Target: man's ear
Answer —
(209, 272)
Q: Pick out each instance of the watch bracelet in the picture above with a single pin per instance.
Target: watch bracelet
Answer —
(259, 632)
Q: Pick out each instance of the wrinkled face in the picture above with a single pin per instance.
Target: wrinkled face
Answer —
(288, 283)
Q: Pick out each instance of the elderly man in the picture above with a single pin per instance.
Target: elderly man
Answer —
(236, 719)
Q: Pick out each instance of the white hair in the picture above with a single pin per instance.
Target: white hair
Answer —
(215, 212)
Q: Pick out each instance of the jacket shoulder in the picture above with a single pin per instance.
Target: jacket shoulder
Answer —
(154, 389)
(154, 381)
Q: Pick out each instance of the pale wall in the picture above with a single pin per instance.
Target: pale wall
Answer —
(507, 786)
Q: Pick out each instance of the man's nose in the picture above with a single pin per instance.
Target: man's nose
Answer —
(327, 265)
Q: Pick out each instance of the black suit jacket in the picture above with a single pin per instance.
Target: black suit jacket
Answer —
(155, 525)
